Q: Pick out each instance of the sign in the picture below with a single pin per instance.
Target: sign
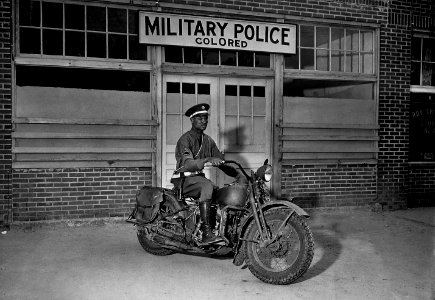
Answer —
(189, 31)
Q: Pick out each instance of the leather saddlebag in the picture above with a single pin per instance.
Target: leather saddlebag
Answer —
(147, 202)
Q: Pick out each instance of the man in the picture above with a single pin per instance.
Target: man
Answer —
(194, 149)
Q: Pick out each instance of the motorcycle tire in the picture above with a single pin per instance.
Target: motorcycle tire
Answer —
(147, 244)
(286, 259)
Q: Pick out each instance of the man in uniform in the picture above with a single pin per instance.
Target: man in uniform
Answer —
(194, 149)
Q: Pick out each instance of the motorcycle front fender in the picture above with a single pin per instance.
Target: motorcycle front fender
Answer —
(269, 205)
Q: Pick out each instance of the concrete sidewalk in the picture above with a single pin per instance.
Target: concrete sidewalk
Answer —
(359, 254)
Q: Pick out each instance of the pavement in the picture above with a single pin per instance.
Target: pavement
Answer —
(359, 254)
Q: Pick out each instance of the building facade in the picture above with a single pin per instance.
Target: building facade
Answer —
(337, 94)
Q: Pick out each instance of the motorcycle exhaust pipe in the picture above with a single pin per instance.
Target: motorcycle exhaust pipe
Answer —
(174, 245)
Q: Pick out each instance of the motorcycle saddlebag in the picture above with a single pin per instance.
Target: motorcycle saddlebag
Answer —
(147, 203)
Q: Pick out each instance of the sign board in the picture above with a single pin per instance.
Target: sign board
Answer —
(189, 31)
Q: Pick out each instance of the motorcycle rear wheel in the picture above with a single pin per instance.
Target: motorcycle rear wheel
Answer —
(147, 244)
(286, 259)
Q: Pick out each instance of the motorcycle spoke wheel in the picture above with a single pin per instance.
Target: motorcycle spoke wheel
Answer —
(281, 254)
(288, 257)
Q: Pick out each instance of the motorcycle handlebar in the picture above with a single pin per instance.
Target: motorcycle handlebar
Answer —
(208, 164)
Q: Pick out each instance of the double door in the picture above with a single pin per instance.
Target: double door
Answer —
(239, 119)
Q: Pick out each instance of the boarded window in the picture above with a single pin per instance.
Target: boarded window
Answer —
(328, 121)
(67, 117)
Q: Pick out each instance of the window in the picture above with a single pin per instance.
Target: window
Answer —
(216, 57)
(76, 30)
(324, 48)
(423, 61)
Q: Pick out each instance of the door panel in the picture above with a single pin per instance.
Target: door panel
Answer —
(180, 93)
(239, 120)
(245, 118)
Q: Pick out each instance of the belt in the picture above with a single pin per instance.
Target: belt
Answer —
(187, 174)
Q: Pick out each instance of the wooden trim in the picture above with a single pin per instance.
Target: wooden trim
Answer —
(309, 74)
(277, 104)
(311, 150)
(329, 126)
(120, 122)
(85, 135)
(81, 164)
(422, 89)
(33, 60)
(172, 68)
(36, 150)
(288, 162)
(327, 138)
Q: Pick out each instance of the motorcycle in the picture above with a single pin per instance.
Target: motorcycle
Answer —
(271, 237)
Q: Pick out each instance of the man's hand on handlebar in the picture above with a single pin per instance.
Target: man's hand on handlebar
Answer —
(214, 161)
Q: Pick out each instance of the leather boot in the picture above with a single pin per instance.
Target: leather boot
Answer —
(207, 236)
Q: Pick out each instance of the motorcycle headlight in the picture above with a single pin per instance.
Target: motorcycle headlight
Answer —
(265, 172)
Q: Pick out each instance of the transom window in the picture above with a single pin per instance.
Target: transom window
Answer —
(190, 55)
(423, 61)
(333, 49)
(75, 30)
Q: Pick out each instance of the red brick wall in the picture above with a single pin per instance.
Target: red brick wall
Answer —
(421, 186)
(76, 193)
(5, 108)
(329, 185)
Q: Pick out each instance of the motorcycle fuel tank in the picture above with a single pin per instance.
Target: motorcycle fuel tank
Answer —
(232, 195)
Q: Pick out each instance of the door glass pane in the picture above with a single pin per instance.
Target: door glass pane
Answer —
(244, 136)
(292, 61)
(173, 130)
(203, 89)
(428, 74)
(259, 131)
(230, 135)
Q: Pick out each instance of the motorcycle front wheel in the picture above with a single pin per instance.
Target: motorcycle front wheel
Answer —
(288, 257)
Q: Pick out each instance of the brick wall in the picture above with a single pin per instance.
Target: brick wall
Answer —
(5, 109)
(76, 193)
(421, 186)
(329, 185)
(373, 11)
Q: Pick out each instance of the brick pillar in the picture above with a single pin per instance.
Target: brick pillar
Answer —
(5, 110)
(394, 100)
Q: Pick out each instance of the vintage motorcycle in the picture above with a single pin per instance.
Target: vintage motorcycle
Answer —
(270, 236)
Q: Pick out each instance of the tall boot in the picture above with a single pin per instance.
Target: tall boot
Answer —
(207, 236)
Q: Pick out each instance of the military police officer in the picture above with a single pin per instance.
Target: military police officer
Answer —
(193, 150)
